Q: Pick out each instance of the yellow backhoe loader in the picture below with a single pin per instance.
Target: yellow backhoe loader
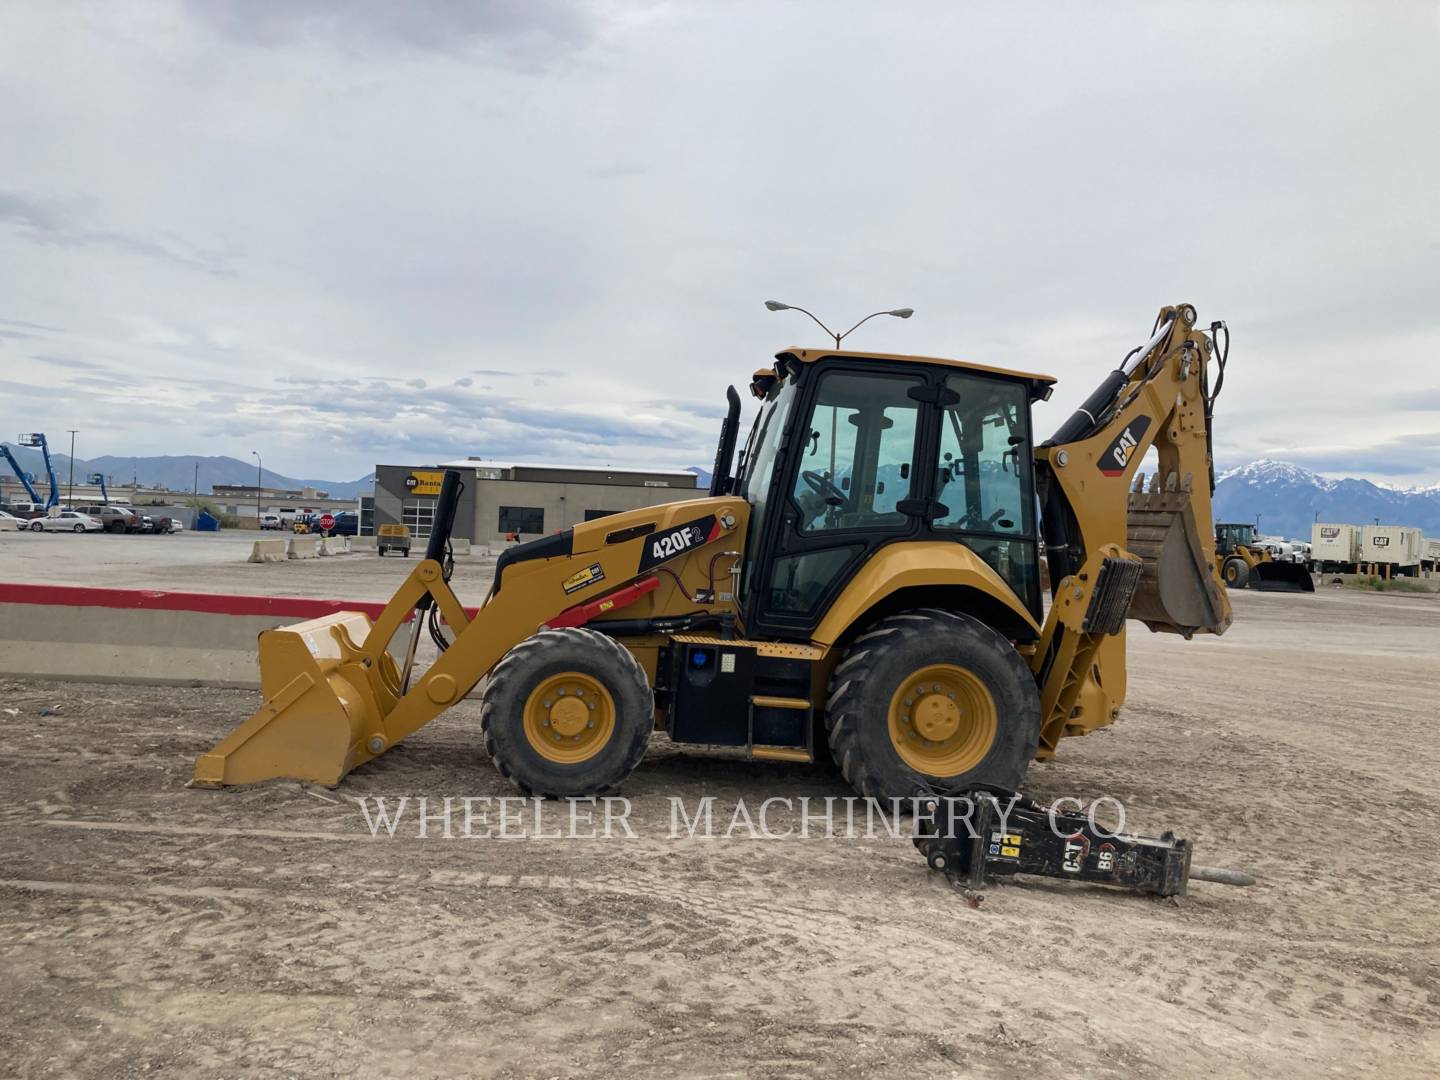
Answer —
(867, 576)
(1243, 563)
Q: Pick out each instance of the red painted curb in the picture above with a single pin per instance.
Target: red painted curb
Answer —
(297, 607)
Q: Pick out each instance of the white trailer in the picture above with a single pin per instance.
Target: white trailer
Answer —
(1393, 548)
(1335, 548)
(1430, 553)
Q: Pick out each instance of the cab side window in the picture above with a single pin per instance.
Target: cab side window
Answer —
(983, 474)
(857, 452)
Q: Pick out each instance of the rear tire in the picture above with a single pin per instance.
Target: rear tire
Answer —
(567, 714)
(1235, 573)
(981, 727)
(78, 528)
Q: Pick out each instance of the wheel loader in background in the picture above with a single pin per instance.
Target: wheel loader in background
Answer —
(1242, 563)
(866, 576)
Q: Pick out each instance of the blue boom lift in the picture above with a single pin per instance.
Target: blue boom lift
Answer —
(25, 477)
(38, 439)
(99, 478)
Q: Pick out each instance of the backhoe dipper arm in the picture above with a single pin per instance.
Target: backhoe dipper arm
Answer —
(1114, 554)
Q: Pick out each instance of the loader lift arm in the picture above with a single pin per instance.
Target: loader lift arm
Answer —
(345, 701)
(1148, 553)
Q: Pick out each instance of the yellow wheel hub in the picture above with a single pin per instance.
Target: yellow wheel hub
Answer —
(569, 718)
(943, 720)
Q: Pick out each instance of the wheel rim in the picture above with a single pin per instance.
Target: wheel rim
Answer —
(1232, 572)
(569, 718)
(943, 720)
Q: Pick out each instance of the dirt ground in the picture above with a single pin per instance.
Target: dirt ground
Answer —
(150, 929)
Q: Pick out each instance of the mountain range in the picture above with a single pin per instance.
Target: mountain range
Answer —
(1289, 499)
(1286, 498)
(176, 472)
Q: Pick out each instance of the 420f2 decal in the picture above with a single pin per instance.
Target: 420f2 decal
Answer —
(678, 539)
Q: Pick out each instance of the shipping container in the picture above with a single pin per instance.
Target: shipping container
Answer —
(1335, 548)
(1397, 546)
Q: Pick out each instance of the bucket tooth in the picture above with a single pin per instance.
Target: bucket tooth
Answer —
(319, 707)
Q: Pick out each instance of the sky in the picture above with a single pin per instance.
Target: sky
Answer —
(537, 230)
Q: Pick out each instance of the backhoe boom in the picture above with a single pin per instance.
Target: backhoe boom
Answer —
(1147, 553)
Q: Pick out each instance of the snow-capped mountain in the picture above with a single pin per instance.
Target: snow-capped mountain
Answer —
(1287, 498)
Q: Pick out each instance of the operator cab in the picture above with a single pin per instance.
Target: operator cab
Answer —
(1232, 534)
(854, 451)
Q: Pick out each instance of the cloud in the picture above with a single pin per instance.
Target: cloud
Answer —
(61, 223)
(600, 195)
(1415, 455)
(521, 31)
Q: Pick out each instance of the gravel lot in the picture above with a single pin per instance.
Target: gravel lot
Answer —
(147, 928)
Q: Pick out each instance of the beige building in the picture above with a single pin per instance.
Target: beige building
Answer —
(529, 500)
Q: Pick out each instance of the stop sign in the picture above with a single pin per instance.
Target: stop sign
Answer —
(327, 522)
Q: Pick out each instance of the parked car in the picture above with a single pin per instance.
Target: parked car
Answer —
(17, 523)
(66, 521)
(167, 525)
(144, 523)
(115, 519)
(176, 525)
(270, 521)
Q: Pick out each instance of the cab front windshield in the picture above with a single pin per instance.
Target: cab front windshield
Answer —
(759, 466)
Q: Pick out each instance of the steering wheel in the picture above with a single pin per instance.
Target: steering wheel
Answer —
(972, 521)
(823, 486)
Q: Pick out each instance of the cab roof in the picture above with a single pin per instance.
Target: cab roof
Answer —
(1039, 383)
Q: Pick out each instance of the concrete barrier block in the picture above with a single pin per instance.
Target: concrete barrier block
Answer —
(303, 547)
(361, 543)
(268, 551)
(141, 636)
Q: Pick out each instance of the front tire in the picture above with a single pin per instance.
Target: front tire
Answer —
(78, 528)
(932, 700)
(35, 526)
(1236, 573)
(567, 714)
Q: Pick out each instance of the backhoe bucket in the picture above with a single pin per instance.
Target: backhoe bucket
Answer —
(1272, 576)
(1178, 592)
(321, 706)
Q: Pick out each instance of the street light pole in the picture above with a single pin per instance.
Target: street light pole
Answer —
(195, 492)
(70, 498)
(899, 313)
(259, 468)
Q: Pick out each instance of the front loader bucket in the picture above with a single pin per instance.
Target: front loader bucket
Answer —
(1178, 591)
(321, 707)
(1272, 576)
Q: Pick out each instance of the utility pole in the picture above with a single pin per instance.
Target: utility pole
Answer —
(259, 468)
(70, 498)
(195, 494)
